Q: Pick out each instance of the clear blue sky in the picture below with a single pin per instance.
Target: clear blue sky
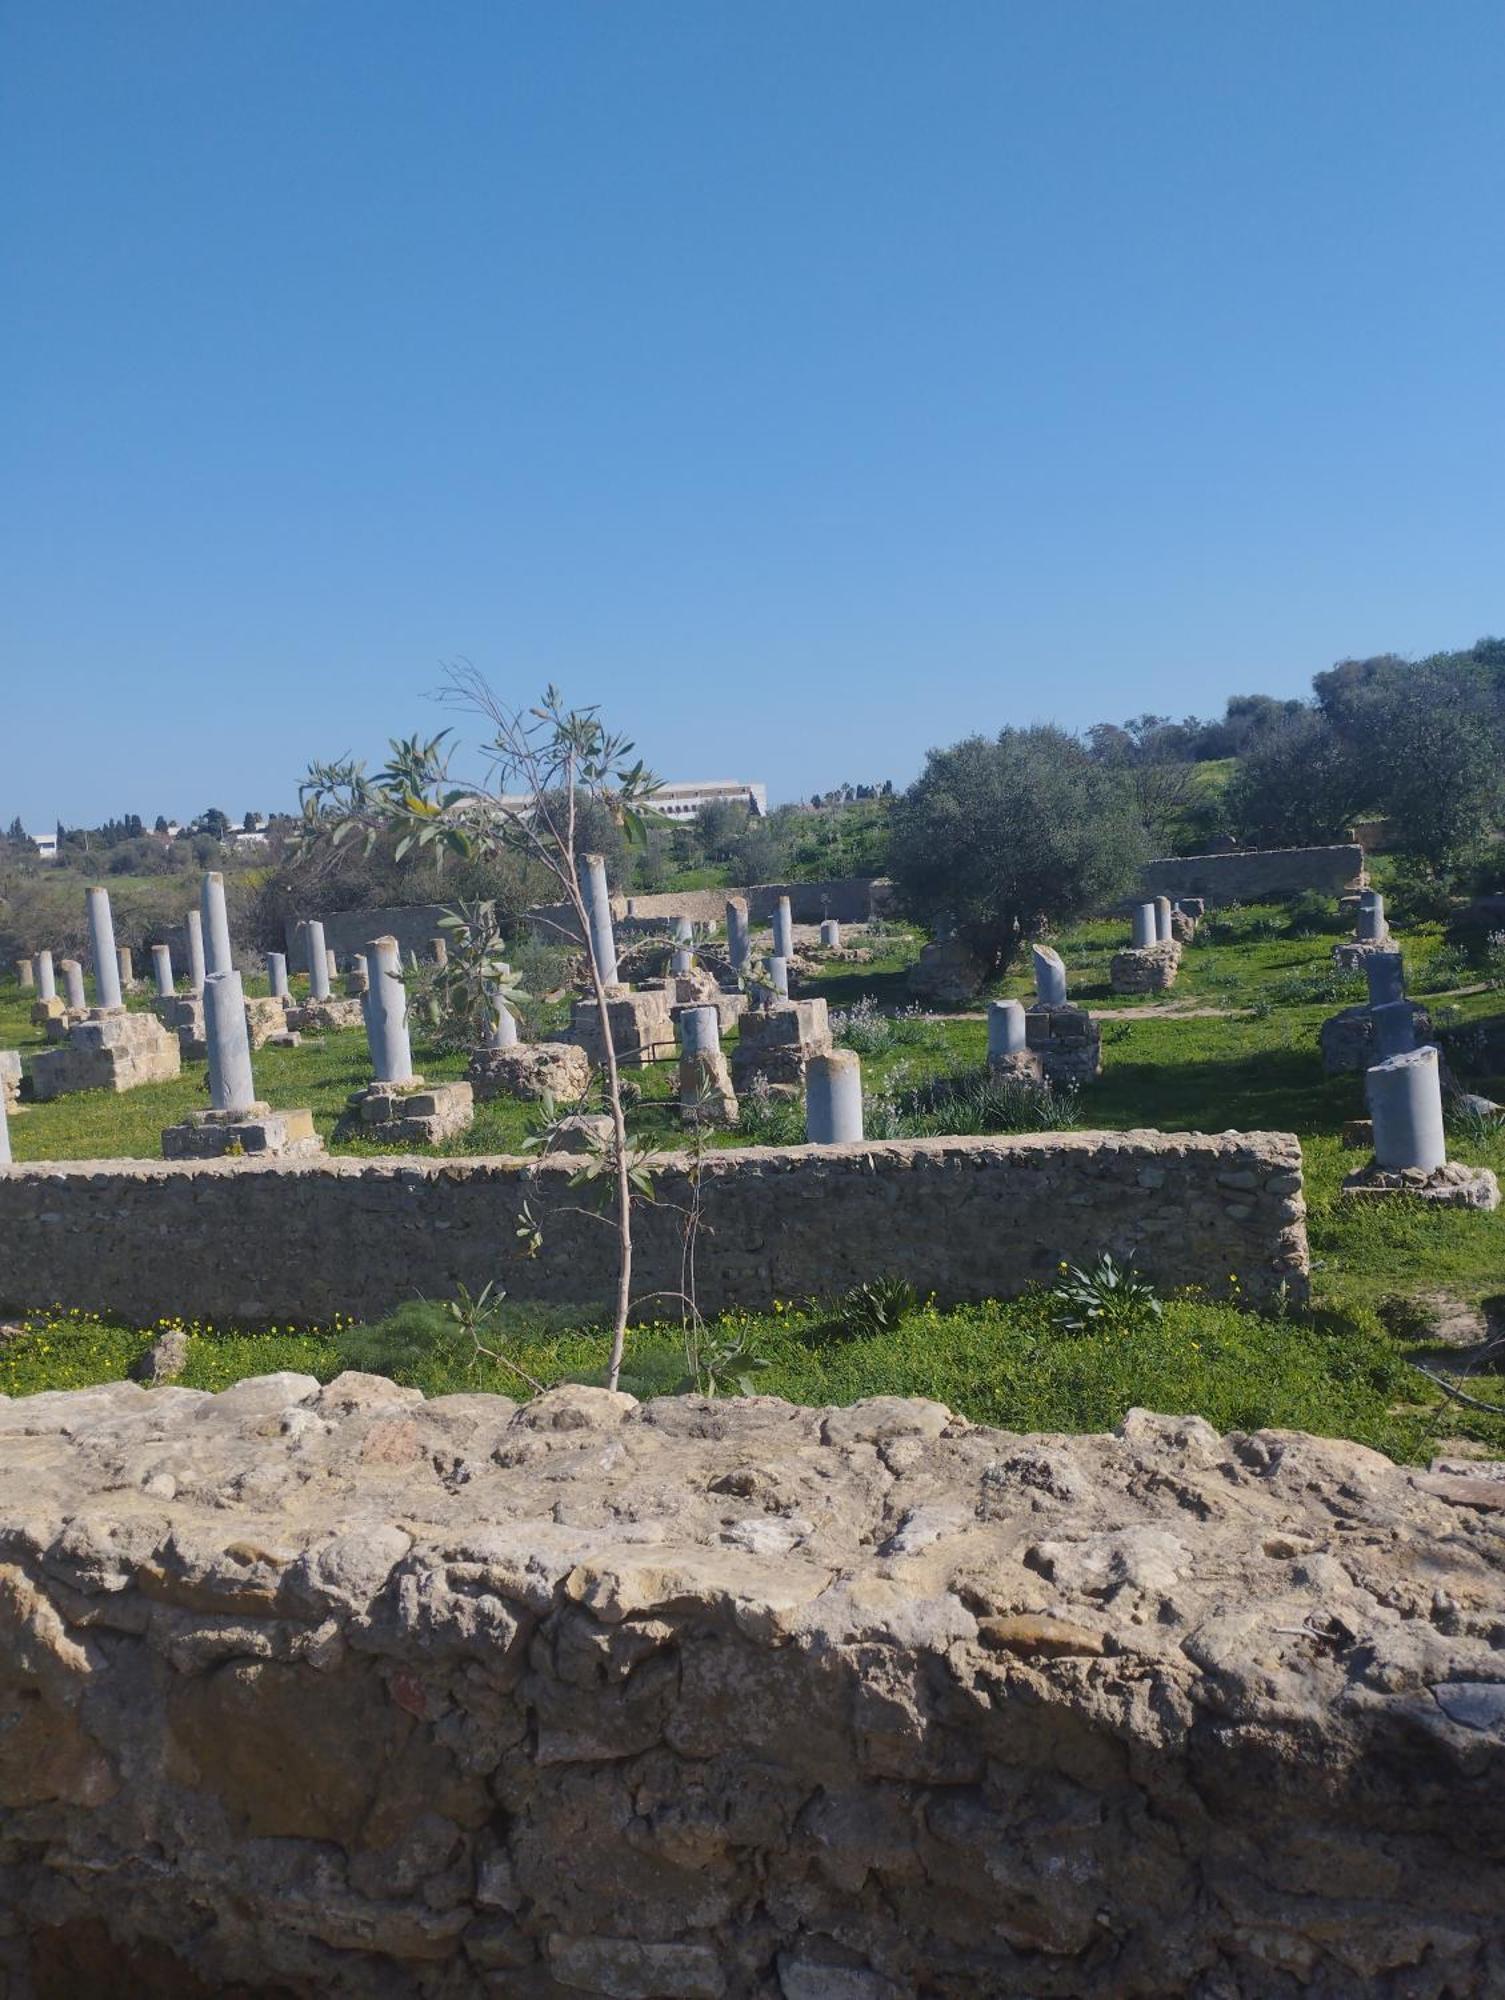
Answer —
(808, 381)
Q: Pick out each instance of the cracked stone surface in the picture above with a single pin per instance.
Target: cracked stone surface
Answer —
(340, 1691)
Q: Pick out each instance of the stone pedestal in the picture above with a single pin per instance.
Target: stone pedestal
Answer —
(776, 1043)
(266, 1020)
(326, 1017)
(1068, 1042)
(1450, 1186)
(1352, 953)
(183, 1013)
(1183, 925)
(946, 974)
(1151, 969)
(414, 1113)
(641, 1028)
(114, 1051)
(254, 1132)
(530, 1071)
(706, 1096)
(43, 1011)
(1346, 1040)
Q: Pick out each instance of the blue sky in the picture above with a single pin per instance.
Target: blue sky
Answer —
(808, 381)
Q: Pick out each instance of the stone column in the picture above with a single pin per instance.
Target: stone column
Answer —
(1372, 918)
(1005, 1028)
(778, 976)
(503, 1033)
(387, 1014)
(684, 931)
(1394, 1029)
(24, 975)
(738, 944)
(195, 953)
(1385, 973)
(1050, 976)
(215, 919)
(1162, 908)
(1405, 1102)
(45, 976)
(359, 980)
(162, 971)
(680, 962)
(73, 986)
(277, 974)
(318, 959)
(5, 1159)
(783, 929)
(603, 942)
(440, 952)
(126, 966)
(830, 934)
(102, 949)
(230, 1084)
(331, 965)
(1145, 930)
(833, 1099)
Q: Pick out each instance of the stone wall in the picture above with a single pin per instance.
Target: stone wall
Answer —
(349, 931)
(850, 899)
(334, 1692)
(1253, 875)
(965, 1218)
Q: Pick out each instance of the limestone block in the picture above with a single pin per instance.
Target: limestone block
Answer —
(641, 1028)
(214, 1135)
(1346, 1039)
(530, 1071)
(183, 1013)
(1183, 926)
(107, 1051)
(10, 1078)
(706, 1096)
(414, 1113)
(1068, 1041)
(1450, 1186)
(43, 1011)
(326, 1017)
(730, 1007)
(586, 1132)
(1024, 1063)
(266, 1018)
(946, 974)
(1149, 969)
(776, 1042)
(1351, 953)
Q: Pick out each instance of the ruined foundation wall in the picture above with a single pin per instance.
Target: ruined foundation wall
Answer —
(966, 1218)
(1253, 875)
(334, 1692)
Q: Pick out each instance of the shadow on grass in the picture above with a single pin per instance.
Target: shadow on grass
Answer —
(1269, 1090)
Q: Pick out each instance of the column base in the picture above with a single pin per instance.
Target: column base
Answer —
(414, 1113)
(254, 1133)
(1452, 1186)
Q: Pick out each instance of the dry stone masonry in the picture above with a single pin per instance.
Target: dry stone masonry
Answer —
(334, 1691)
(970, 1218)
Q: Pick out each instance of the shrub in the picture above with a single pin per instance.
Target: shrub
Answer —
(1110, 1298)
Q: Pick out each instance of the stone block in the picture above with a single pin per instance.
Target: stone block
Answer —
(1018, 1063)
(183, 1013)
(414, 1113)
(326, 1017)
(1450, 1186)
(775, 1042)
(1068, 1041)
(1148, 969)
(257, 1132)
(43, 1011)
(1346, 1039)
(730, 1007)
(587, 1132)
(107, 1051)
(642, 1030)
(530, 1071)
(946, 974)
(1183, 926)
(265, 1020)
(1351, 953)
(10, 1078)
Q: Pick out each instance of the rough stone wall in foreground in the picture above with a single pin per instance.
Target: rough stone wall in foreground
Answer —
(1254, 874)
(337, 1692)
(963, 1218)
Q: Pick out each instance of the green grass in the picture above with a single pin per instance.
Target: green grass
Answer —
(1339, 1368)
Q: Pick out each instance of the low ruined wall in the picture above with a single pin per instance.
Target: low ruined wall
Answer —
(850, 899)
(349, 931)
(335, 1692)
(1254, 875)
(964, 1218)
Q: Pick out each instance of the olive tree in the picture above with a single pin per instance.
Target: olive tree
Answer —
(999, 835)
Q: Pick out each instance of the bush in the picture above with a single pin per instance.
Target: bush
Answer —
(1110, 1298)
(1312, 914)
(967, 1101)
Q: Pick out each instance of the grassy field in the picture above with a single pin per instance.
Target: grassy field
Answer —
(1238, 1050)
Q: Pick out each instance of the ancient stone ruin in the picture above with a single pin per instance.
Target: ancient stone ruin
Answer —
(336, 1691)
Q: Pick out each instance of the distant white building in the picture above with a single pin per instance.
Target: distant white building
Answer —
(684, 801)
(45, 844)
